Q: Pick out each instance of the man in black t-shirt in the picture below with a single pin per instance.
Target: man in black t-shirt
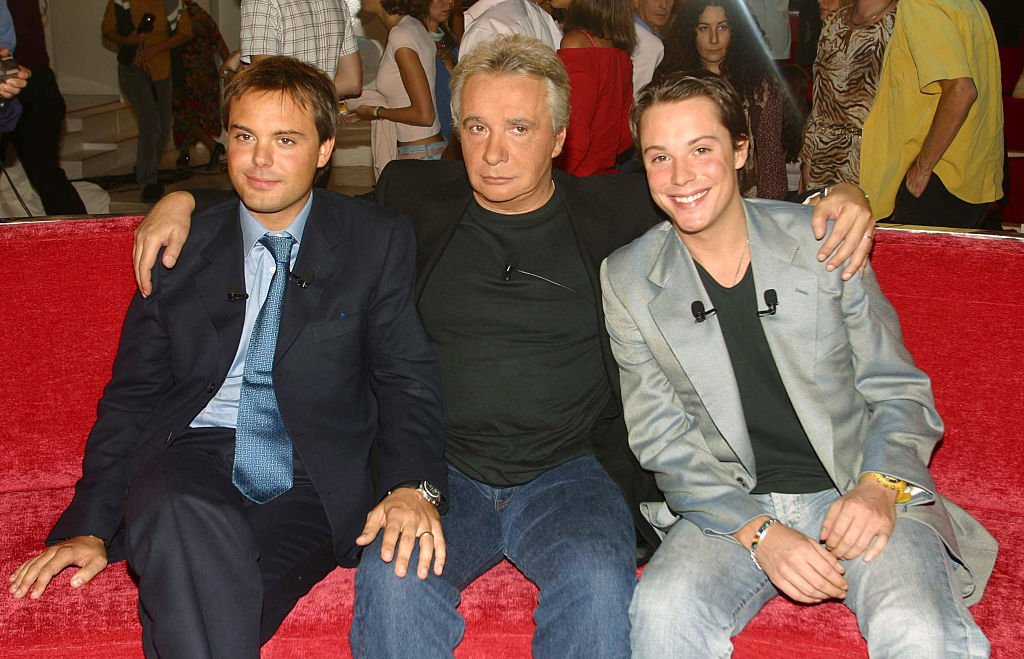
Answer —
(790, 438)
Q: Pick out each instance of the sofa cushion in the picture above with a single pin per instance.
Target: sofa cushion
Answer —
(66, 285)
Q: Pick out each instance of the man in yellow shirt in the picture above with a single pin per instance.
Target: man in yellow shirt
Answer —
(145, 31)
(932, 151)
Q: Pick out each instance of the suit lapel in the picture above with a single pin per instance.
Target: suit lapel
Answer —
(792, 332)
(225, 271)
(435, 226)
(316, 263)
(698, 347)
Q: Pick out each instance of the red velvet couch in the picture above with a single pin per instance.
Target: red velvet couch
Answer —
(67, 284)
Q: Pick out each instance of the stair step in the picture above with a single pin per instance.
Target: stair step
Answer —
(83, 163)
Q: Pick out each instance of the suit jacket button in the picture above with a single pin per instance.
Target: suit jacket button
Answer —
(210, 388)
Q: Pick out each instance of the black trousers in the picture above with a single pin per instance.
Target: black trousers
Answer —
(218, 573)
(36, 140)
(937, 207)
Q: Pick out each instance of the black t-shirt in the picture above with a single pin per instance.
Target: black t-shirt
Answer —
(785, 460)
(511, 313)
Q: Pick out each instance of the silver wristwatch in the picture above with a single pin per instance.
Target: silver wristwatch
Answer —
(426, 489)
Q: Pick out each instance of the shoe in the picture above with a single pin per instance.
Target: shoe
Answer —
(152, 193)
(218, 152)
(184, 159)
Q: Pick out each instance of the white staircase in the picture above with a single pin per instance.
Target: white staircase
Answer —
(100, 135)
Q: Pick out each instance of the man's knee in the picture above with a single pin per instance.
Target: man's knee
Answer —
(924, 627)
(393, 614)
(381, 593)
(675, 622)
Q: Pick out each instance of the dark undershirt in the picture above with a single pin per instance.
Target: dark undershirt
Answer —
(522, 374)
(784, 458)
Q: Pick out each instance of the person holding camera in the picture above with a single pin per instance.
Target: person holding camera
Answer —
(145, 31)
(13, 79)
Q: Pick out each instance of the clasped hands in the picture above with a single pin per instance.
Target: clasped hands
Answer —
(807, 570)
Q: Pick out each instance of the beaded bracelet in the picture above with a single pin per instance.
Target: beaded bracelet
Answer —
(759, 535)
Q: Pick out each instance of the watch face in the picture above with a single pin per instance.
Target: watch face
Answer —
(432, 493)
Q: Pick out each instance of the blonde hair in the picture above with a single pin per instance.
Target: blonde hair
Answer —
(515, 54)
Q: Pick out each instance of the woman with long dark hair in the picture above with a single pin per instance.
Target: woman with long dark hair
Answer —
(721, 36)
(599, 37)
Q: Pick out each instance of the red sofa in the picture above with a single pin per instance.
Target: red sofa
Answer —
(67, 284)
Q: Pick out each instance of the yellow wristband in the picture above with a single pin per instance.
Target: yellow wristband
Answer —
(376, 112)
(893, 483)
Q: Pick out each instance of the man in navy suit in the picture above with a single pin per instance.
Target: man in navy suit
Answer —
(220, 564)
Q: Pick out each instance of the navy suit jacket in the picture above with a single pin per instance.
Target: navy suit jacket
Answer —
(353, 366)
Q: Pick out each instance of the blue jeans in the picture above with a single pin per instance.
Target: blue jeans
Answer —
(699, 591)
(432, 151)
(569, 531)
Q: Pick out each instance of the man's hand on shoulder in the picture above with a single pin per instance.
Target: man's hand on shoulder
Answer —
(853, 232)
(166, 225)
(865, 513)
(86, 552)
(406, 518)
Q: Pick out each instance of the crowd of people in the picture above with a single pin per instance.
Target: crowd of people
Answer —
(541, 336)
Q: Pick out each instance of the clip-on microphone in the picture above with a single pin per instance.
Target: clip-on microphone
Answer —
(699, 314)
(770, 299)
(303, 280)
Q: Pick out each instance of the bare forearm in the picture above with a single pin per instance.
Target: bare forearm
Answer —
(955, 103)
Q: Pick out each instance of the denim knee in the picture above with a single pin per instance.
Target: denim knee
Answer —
(393, 614)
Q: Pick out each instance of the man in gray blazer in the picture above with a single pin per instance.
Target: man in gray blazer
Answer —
(782, 416)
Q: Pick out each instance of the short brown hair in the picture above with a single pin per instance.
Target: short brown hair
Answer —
(685, 85)
(306, 85)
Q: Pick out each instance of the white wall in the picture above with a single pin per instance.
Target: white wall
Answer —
(77, 53)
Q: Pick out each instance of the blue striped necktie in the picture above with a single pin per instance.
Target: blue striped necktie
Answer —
(263, 450)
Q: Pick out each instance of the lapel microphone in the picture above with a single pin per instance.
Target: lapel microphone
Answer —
(303, 280)
(511, 265)
(235, 293)
(699, 314)
(772, 301)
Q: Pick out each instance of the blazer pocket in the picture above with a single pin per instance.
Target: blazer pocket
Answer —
(335, 327)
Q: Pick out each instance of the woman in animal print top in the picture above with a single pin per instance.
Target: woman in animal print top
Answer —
(846, 74)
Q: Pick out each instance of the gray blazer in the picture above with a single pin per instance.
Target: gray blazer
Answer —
(839, 350)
